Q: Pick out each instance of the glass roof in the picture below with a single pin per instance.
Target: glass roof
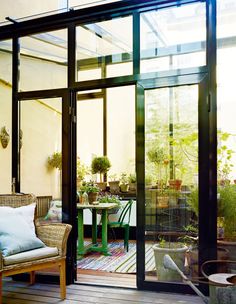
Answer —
(24, 10)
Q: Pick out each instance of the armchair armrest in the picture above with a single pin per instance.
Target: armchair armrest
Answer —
(54, 235)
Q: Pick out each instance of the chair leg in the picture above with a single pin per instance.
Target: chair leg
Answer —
(126, 238)
(0, 288)
(32, 277)
(62, 269)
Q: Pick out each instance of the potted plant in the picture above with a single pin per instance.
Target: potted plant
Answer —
(114, 184)
(101, 165)
(124, 183)
(92, 190)
(132, 182)
(109, 198)
(158, 157)
(177, 251)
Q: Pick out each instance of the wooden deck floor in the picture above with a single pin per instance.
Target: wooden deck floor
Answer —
(22, 293)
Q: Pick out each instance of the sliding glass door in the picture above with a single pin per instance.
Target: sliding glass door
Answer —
(171, 176)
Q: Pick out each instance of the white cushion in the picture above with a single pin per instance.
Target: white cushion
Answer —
(16, 235)
(30, 255)
(26, 211)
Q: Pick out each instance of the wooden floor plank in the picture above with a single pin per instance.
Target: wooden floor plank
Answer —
(22, 293)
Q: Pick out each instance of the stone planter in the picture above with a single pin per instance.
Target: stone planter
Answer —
(114, 186)
(177, 252)
(124, 188)
(102, 185)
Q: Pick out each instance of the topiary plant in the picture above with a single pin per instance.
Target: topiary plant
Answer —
(101, 165)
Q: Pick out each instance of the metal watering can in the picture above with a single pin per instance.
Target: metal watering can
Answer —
(222, 285)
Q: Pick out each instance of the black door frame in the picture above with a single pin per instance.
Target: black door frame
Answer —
(68, 133)
(105, 12)
(206, 252)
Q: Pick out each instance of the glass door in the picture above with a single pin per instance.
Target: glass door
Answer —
(169, 172)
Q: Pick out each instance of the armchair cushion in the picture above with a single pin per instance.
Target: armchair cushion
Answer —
(15, 235)
(27, 212)
(31, 255)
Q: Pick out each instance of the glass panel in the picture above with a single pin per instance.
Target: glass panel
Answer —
(103, 43)
(226, 133)
(121, 131)
(41, 125)
(77, 4)
(25, 10)
(171, 179)
(89, 129)
(5, 115)
(173, 38)
(43, 61)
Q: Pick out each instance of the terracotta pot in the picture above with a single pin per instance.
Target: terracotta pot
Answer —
(175, 184)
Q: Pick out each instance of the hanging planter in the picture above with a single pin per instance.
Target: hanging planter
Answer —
(4, 137)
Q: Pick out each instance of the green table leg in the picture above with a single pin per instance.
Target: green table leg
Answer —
(80, 232)
(94, 226)
(104, 232)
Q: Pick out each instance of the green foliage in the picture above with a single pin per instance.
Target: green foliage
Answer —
(132, 178)
(100, 164)
(82, 170)
(124, 178)
(227, 208)
(156, 155)
(89, 187)
(224, 160)
(55, 161)
(108, 198)
(192, 200)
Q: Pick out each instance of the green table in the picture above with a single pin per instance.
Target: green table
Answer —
(94, 246)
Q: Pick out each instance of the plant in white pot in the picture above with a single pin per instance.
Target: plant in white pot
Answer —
(177, 251)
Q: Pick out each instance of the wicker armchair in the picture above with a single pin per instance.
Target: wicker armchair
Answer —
(52, 235)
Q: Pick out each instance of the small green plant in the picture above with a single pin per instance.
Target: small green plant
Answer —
(162, 242)
(101, 165)
(124, 178)
(89, 187)
(55, 161)
(108, 198)
(132, 178)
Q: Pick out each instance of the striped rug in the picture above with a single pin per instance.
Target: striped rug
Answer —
(119, 261)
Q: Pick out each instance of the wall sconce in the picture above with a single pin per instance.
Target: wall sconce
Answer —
(4, 137)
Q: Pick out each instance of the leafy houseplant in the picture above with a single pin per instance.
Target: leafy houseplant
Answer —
(91, 189)
(109, 198)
